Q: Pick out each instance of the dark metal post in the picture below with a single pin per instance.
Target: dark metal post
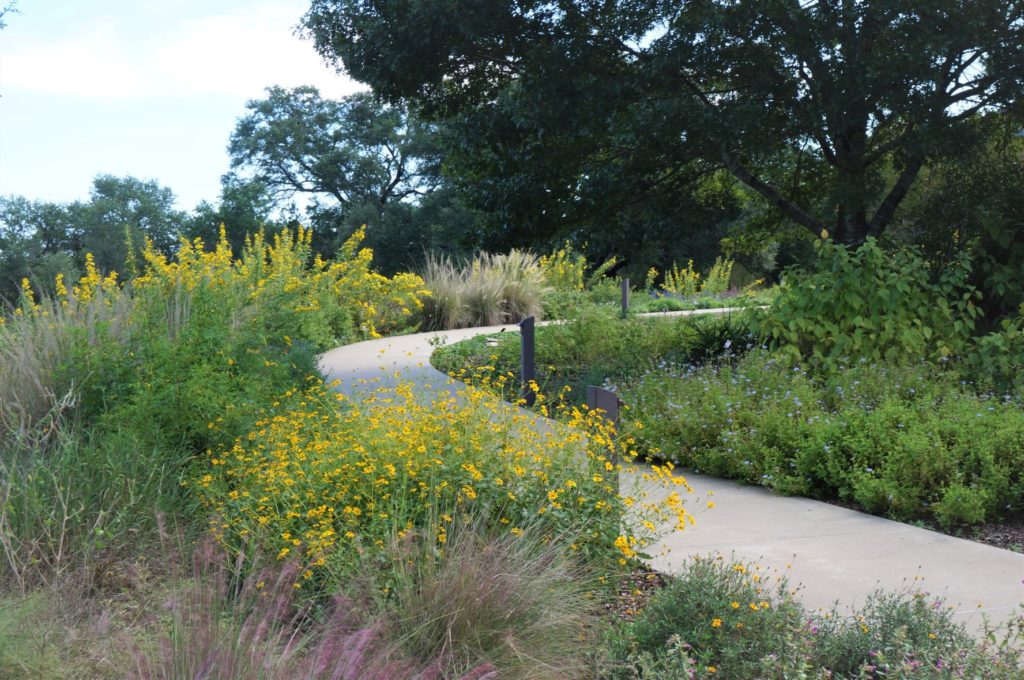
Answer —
(608, 402)
(527, 359)
(625, 297)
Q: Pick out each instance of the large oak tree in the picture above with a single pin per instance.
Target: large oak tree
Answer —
(868, 91)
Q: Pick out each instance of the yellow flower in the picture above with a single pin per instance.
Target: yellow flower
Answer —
(716, 623)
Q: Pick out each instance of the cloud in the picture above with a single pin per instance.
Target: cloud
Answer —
(234, 54)
(88, 65)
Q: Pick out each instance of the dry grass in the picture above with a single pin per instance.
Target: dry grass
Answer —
(489, 290)
(264, 632)
(34, 400)
(518, 603)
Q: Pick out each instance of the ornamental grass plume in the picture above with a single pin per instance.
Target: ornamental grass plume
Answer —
(519, 601)
(490, 289)
(264, 632)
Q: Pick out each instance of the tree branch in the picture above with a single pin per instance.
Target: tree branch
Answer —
(773, 196)
(898, 192)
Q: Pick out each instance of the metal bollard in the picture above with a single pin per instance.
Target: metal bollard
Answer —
(527, 359)
(608, 402)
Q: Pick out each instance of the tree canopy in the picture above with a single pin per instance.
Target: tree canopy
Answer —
(863, 93)
(338, 152)
(352, 161)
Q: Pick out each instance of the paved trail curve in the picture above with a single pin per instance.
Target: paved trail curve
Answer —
(834, 553)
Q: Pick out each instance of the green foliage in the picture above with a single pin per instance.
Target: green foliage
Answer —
(728, 617)
(595, 346)
(998, 356)
(969, 200)
(579, 121)
(909, 442)
(359, 162)
(872, 303)
(39, 240)
(902, 634)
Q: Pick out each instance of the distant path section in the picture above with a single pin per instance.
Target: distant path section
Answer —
(834, 554)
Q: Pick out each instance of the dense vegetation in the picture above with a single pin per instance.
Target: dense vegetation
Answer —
(181, 495)
(138, 416)
(865, 381)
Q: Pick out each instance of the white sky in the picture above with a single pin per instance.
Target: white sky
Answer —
(149, 88)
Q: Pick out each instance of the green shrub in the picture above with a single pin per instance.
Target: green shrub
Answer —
(901, 634)
(872, 303)
(595, 346)
(998, 357)
(904, 441)
(730, 617)
(908, 634)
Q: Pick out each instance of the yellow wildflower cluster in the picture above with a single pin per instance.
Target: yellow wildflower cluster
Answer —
(92, 287)
(564, 269)
(682, 281)
(325, 480)
(91, 284)
(688, 281)
(279, 277)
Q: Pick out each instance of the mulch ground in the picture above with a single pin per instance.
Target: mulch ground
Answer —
(633, 591)
(1008, 535)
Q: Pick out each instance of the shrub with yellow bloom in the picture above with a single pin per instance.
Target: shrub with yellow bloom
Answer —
(292, 292)
(204, 335)
(687, 281)
(564, 269)
(328, 478)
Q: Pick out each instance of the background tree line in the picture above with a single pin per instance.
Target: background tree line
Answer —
(659, 131)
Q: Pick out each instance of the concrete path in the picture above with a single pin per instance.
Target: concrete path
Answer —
(832, 553)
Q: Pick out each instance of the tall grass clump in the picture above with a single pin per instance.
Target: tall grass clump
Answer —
(491, 289)
(53, 349)
(518, 602)
(260, 630)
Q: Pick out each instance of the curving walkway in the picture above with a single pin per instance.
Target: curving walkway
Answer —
(834, 554)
